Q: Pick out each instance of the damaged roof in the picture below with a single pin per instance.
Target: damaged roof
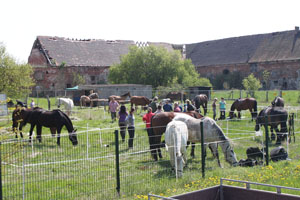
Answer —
(246, 49)
(83, 52)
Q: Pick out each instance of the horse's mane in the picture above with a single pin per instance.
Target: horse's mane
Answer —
(69, 123)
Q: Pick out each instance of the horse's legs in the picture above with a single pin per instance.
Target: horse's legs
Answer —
(39, 133)
(193, 150)
(239, 114)
(20, 130)
(214, 149)
(58, 135)
(30, 132)
(279, 135)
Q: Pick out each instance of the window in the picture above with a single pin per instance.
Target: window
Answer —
(226, 71)
(68, 85)
(253, 67)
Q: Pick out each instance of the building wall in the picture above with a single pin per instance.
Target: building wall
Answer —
(283, 75)
(55, 78)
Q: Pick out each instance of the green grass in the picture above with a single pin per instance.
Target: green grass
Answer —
(48, 175)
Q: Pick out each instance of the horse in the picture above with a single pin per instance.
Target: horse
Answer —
(176, 96)
(18, 122)
(55, 118)
(201, 100)
(213, 134)
(118, 98)
(244, 104)
(278, 102)
(67, 102)
(176, 141)
(94, 96)
(158, 126)
(84, 100)
(275, 116)
(139, 101)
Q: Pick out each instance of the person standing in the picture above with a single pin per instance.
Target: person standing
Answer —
(214, 108)
(176, 107)
(113, 106)
(153, 104)
(130, 122)
(222, 108)
(167, 107)
(32, 104)
(189, 106)
(147, 119)
(158, 109)
(122, 124)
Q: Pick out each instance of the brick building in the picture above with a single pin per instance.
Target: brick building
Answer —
(56, 60)
(278, 53)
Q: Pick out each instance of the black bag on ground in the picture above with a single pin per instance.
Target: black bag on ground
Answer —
(278, 153)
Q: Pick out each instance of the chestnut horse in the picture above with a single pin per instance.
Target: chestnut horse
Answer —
(118, 98)
(139, 101)
(201, 100)
(244, 104)
(158, 125)
(84, 100)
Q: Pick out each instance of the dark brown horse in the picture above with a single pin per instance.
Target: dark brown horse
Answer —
(159, 123)
(275, 116)
(278, 102)
(139, 101)
(201, 100)
(244, 104)
(118, 98)
(176, 96)
(52, 119)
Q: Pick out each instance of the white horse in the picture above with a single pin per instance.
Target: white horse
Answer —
(67, 102)
(213, 134)
(176, 137)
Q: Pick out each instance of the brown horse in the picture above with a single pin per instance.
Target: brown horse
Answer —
(278, 102)
(118, 98)
(176, 96)
(158, 126)
(201, 100)
(84, 100)
(244, 104)
(139, 101)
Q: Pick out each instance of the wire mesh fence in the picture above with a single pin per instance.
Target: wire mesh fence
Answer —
(89, 170)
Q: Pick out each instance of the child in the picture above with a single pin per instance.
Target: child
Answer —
(130, 122)
(222, 108)
(122, 116)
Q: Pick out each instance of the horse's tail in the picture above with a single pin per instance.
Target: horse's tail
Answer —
(255, 109)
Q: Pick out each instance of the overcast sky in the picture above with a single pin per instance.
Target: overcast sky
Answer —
(169, 21)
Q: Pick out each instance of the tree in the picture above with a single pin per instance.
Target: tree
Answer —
(16, 79)
(155, 66)
(77, 79)
(266, 78)
(251, 84)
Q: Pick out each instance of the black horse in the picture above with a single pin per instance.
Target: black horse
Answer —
(278, 102)
(54, 119)
(201, 100)
(275, 116)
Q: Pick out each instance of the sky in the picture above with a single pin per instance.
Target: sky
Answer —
(172, 21)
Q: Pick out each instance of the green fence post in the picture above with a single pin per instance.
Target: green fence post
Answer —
(117, 162)
(202, 150)
(267, 140)
(1, 196)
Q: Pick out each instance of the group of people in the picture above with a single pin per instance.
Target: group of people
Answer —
(222, 105)
(126, 119)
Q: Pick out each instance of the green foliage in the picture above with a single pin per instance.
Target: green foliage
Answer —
(266, 77)
(251, 84)
(227, 81)
(77, 79)
(16, 79)
(155, 66)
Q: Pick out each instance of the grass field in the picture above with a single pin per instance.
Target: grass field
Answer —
(87, 171)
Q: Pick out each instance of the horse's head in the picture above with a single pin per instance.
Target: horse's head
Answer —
(73, 137)
(231, 157)
(259, 120)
